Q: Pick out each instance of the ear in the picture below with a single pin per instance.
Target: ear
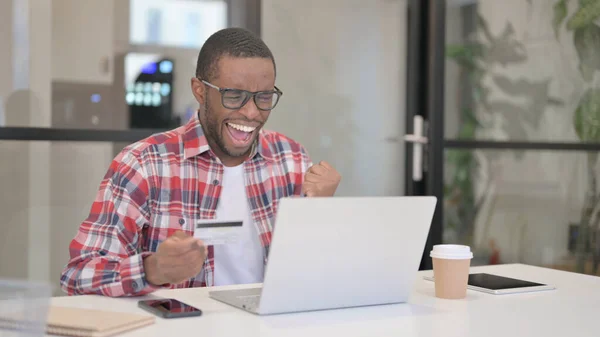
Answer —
(199, 90)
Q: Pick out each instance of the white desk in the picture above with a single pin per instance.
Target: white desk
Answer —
(571, 310)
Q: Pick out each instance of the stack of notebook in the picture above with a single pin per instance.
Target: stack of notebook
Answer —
(77, 322)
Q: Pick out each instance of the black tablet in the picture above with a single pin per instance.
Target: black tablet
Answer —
(498, 285)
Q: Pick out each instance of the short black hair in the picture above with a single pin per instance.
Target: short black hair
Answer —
(235, 42)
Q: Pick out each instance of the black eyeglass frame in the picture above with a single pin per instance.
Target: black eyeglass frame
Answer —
(247, 95)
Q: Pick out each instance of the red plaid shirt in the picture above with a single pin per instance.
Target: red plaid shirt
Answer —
(163, 184)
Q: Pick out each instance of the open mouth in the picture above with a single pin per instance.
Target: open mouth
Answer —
(241, 135)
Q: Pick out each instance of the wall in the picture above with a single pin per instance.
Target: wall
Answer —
(76, 168)
(7, 246)
(6, 51)
(341, 67)
(24, 178)
(47, 187)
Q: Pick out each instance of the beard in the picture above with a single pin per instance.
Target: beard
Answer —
(215, 137)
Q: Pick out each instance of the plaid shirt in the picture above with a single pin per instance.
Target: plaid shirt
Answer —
(163, 184)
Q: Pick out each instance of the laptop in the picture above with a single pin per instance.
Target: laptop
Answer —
(341, 252)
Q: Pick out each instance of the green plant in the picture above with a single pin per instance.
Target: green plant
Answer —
(459, 190)
(586, 117)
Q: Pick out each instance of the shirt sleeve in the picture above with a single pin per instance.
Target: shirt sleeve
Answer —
(305, 164)
(105, 255)
(306, 161)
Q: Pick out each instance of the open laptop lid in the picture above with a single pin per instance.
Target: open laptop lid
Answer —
(344, 252)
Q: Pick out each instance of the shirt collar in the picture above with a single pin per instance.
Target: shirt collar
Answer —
(195, 142)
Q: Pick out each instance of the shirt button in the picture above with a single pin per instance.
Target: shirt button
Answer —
(181, 221)
(215, 182)
(134, 285)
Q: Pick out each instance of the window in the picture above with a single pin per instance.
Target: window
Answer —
(176, 23)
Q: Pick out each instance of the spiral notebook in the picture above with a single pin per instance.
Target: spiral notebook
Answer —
(78, 322)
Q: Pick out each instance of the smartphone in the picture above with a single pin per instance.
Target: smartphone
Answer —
(169, 308)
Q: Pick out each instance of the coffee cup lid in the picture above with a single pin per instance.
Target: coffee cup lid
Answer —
(453, 252)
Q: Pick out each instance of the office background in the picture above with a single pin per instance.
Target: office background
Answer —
(507, 90)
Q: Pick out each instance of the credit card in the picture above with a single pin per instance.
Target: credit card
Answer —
(218, 232)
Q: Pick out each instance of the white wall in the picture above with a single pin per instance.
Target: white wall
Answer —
(5, 51)
(341, 66)
(24, 178)
(15, 225)
(47, 188)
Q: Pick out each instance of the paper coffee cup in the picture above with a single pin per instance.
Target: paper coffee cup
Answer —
(451, 270)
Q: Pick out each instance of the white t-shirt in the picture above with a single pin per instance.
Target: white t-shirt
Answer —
(242, 262)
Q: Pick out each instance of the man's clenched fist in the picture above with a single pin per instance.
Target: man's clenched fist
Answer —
(321, 180)
(177, 259)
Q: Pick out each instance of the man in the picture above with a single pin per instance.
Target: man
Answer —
(220, 165)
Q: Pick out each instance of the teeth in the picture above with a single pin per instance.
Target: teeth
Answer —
(244, 128)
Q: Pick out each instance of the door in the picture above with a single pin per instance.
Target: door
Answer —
(424, 118)
(503, 128)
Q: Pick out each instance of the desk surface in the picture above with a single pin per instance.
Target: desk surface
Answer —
(573, 309)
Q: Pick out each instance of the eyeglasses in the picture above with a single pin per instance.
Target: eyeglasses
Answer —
(236, 98)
